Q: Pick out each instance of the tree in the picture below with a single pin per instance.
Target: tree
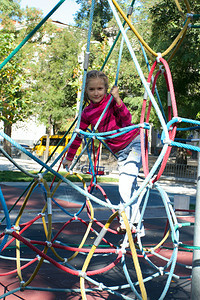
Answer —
(9, 10)
(55, 79)
(13, 106)
(166, 24)
(16, 79)
(102, 15)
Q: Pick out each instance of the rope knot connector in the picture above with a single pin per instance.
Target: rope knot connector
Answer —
(16, 228)
(101, 286)
(162, 69)
(161, 271)
(49, 244)
(130, 10)
(82, 274)
(65, 261)
(159, 56)
(22, 287)
(40, 177)
(75, 217)
(9, 231)
(189, 15)
(121, 208)
(167, 141)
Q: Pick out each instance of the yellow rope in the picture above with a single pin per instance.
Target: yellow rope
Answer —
(159, 244)
(134, 256)
(18, 263)
(140, 37)
(180, 9)
(36, 269)
(89, 257)
(25, 202)
(177, 47)
(91, 209)
(133, 28)
(173, 44)
(188, 6)
(48, 235)
(86, 233)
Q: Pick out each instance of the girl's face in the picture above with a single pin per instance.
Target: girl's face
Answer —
(96, 89)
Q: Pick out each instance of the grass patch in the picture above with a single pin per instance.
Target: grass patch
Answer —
(16, 176)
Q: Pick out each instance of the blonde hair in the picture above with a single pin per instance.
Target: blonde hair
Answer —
(93, 75)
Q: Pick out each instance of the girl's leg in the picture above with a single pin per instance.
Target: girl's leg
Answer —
(128, 173)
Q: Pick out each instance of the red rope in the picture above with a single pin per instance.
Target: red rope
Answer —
(35, 249)
(23, 267)
(172, 133)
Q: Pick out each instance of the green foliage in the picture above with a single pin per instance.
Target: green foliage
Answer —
(9, 9)
(55, 78)
(48, 63)
(31, 17)
(12, 105)
(166, 24)
(102, 15)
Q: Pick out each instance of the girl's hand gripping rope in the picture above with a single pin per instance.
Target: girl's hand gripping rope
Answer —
(66, 164)
(115, 93)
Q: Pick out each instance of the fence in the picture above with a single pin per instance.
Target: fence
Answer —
(181, 171)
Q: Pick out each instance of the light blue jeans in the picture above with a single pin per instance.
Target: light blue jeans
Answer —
(129, 164)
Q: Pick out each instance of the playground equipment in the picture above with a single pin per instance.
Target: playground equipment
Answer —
(134, 282)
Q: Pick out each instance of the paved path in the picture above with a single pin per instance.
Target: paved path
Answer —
(67, 194)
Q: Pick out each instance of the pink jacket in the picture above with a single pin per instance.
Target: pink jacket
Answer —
(116, 116)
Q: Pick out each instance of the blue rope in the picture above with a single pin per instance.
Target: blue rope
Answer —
(189, 128)
(82, 90)
(177, 144)
(115, 41)
(91, 163)
(126, 273)
(8, 223)
(139, 70)
(67, 212)
(113, 133)
(85, 70)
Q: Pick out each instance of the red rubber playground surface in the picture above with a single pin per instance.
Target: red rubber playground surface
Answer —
(49, 276)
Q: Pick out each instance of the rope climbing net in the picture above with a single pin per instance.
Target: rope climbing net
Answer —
(132, 256)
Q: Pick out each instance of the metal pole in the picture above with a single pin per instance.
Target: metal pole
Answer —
(195, 293)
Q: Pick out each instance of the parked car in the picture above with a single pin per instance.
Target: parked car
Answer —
(27, 147)
(15, 152)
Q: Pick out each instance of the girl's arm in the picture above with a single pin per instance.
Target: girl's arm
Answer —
(75, 144)
(122, 113)
(115, 92)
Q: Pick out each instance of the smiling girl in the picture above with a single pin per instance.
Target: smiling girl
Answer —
(126, 147)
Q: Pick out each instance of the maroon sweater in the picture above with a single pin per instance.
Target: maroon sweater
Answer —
(116, 116)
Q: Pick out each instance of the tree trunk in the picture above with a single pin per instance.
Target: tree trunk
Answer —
(8, 131)
(46, 152)
(48, 131)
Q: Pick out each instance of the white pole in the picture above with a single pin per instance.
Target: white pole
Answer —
(196, 253)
